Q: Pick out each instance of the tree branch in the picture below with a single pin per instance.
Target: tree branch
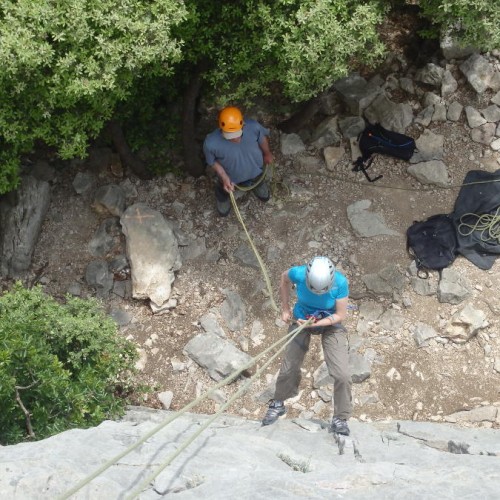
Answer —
(192, 160)
(128, 158)
(27, 414)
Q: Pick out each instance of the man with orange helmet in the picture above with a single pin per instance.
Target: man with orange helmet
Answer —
(237, 151)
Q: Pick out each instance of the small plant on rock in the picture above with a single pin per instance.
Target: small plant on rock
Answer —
(296, 464)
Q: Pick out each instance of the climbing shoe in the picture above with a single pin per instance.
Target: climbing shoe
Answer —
(262, 191)
(339, 426)
(223, 207)
(275, 410)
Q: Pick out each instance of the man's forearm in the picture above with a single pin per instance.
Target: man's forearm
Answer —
(221, 173)
(264, 146)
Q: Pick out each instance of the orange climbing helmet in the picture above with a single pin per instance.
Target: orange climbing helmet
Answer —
(231, 122)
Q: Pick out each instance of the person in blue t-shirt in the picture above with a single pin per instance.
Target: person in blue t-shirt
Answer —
(237, 152)
(322, 294)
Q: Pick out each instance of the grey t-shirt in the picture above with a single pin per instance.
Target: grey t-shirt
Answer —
(242, 160)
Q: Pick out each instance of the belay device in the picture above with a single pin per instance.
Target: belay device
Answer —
(376, 139)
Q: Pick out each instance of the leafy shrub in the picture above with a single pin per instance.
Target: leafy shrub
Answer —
(297, 46)
(61, 365)
(66, 66)
(473, 22)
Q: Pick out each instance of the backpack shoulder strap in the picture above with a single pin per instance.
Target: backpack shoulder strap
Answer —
(361, 165)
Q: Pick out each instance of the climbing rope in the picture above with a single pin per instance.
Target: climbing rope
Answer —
(258, 181)
(255, 251)
(268, 173)
(401, 188)
(286, 338)
(487, 224)
(228, 403)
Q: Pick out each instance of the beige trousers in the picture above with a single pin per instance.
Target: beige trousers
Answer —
(336, 351)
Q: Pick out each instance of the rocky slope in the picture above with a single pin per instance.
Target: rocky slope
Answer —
(237, 458)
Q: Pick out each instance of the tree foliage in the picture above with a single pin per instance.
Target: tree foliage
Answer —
(68, 67)
(303, 46)
(61, 366)
(64, 67)
(474, 22)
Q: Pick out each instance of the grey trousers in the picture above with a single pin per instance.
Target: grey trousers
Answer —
(336, 351)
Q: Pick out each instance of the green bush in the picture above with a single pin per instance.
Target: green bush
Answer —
(473, 22)
(61, 365)
(65, 67)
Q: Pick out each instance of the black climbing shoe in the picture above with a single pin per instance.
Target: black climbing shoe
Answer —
(339, 426)
(275, 410)
(223, 207)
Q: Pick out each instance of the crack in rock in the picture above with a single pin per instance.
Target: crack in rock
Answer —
(454, 447)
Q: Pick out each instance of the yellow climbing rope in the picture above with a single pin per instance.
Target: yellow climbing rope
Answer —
(286, 339)
(255, 251)
(270, 176)
(380, 185)
(258, 181)
(239, 393)
(487, 224)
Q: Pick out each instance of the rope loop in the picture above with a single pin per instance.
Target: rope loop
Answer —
(259, 180)
(487, 224)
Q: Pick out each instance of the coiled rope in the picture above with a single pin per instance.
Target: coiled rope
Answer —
(258, 181)
(270, 176)
(286, 338)
(487, 224)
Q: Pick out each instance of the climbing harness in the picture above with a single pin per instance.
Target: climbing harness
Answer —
(268, 173)
(261, 178)
(317, 315)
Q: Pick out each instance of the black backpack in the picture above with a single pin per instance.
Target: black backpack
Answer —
(377, 139)
(432, 242)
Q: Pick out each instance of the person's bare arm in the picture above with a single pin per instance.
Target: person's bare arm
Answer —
(227, 184)
(285, 287)
(266, 151)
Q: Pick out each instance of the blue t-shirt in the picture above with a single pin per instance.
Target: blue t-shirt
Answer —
(242, 160)
(308, 302)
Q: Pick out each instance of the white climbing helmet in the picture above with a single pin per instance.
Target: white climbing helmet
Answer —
(320, 275)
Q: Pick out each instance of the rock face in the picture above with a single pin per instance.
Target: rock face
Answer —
(20, 226)
(153, 252)
(365, 223)
(219, 356)
(236, 458)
